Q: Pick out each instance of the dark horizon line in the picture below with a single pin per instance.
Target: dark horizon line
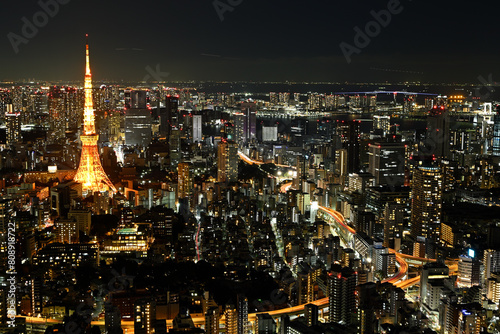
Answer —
(287, 82)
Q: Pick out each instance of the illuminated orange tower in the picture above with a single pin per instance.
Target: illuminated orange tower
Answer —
(90, 172)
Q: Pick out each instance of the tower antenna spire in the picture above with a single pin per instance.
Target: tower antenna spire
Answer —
(90, 172)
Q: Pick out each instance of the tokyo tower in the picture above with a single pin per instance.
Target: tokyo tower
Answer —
(90, 172)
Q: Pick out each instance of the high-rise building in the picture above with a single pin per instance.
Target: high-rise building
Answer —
(135, 99)
(387, 163)
(185, 180)
(426, 205)
(212, 321)
(349, 133)
(496, 133)
(341, 294)
(249, 109)
(382, 123)
(265, 324)
(393, 225)
(269, 133)
(13, 127)
(90, 172)
(197, 128)
(144, 316)
(432, 272)
(468, 271)
(227, 161)
(138, 124)
(437, 141)
(169, 117)
(311, 313)
(242, 314)
(231, 319)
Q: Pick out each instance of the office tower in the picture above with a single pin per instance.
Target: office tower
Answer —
(341, 294)
(174, 145)
(185, 180)
(387, 163)
(265, 324)
(135, 99)
(496, 133)
(301, 173)
(426, 205)
(311, 313)
(382, 123)
(57, 115)
(242, 314)
(393, 225)
(227, 161)
(231, 319)
(90, 172)
(112, 319)
(249, 109)
(212, 321)
(144, 316)
(349, 135)
(138, 125)
(437, 141)
(169, 117)
(269, 133)
(341, 163)
(197, 126)
(468, 271)
(432, 275)
(13, 127)
(240, 126)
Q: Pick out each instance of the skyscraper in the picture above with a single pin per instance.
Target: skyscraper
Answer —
(212, 320)
(496, 133)
(249, 109)
(138, 124)
(349, 135)
(426, 206)
(383, 123)
(227, 161)
(341, 292)
(169, 115)
(13, 127)
(242, 314)
(387, 163)
(437, 141)
(185, 180)
(90, 172)
(197, 132)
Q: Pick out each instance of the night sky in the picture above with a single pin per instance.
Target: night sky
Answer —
(259, 40)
